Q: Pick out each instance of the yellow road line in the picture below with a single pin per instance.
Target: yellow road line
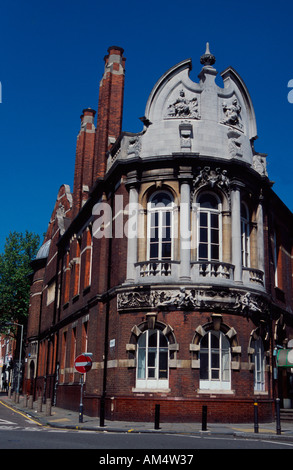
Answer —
(22, 414)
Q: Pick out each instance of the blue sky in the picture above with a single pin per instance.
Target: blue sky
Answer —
(51, 62)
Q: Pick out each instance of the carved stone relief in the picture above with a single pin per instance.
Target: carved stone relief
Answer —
(232, 114)
(259, 164)
(210, 177)
(183, 107)
(134, 146)
(186, 298)
(234, 145)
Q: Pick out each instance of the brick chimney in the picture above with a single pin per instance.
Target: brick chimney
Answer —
(84, 160)
(109, 121)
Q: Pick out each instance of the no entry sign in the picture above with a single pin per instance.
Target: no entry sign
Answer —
(83, 363)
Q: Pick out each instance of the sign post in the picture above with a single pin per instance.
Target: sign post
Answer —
(83, 364)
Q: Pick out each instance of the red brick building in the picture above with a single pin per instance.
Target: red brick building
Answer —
(170, 262)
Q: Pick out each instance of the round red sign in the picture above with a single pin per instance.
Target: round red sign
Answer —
(83, 363)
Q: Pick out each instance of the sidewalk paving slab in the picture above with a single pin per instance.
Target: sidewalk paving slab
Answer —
(68, 419)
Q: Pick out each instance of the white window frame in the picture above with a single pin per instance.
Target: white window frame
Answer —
(160, 210)
(220, 383)
(209, 212)
(259, 360)
(143, 381)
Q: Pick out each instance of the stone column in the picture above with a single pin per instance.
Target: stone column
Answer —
(236, 232)
(185, 234)
(132, 230)
(260, 235)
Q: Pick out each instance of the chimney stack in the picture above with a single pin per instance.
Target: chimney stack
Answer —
(84, 160)
(110, 109)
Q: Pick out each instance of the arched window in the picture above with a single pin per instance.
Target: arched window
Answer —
(245, 236)
(215, 361)
(152, 360)
(259, 364)
(209, 228)
(160, 226)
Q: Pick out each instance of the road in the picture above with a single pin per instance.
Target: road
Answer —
(19, 431)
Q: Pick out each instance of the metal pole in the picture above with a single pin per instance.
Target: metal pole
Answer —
(204, 418)
(102, 411)
(81, 403)
(20, 354)
(157, 416)
(256, 417)
(278, 415)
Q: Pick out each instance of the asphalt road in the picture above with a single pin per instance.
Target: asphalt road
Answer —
(19, 431)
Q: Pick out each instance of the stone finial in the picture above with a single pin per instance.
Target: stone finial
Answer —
(207, 58)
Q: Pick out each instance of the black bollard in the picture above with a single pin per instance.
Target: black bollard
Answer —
(102, 412)
(256, 417)
(278, 418)
(157, 416)
(204, 418)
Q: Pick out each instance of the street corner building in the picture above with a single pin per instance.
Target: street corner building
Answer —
(170, 261)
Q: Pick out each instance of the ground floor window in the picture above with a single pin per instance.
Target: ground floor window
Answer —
(152, 360)
(259, 365)
(215, 361)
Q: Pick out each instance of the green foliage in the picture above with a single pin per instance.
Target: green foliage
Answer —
(19, 251)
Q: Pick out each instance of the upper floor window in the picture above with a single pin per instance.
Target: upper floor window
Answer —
(152, 360)
(209, 228)
(160, 226)
(215, 361)
(245, 236)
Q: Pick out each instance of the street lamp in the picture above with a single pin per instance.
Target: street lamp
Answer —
(20, 351)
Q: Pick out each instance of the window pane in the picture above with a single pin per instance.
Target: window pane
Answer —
(214, 340)
(203, 235)
(163, 362)
(166, 250)
(166, 233)
(154, 219)
(215, 374)
(215, 252)
(214, 220)
(151, 373)
(166, 218)
(203, 251)
(154, 234)
(214, 236)
(215, 359)
(163, 341)
(226, 366)
(152, 338)
(208, 201)
(152, 357)
(142, 340)
(204, 373)
(161, 200)
(154, 251)
(141, 364)
(203, 219)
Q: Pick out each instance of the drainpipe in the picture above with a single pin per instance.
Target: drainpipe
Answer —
(106, 341)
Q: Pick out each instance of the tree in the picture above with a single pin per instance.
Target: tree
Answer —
(19, 251)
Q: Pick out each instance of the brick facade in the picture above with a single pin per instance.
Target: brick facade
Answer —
(103, 294)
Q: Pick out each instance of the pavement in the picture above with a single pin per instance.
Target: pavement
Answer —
(67, 419)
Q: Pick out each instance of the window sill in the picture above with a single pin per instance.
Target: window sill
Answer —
(151, 390)
(215, 392)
